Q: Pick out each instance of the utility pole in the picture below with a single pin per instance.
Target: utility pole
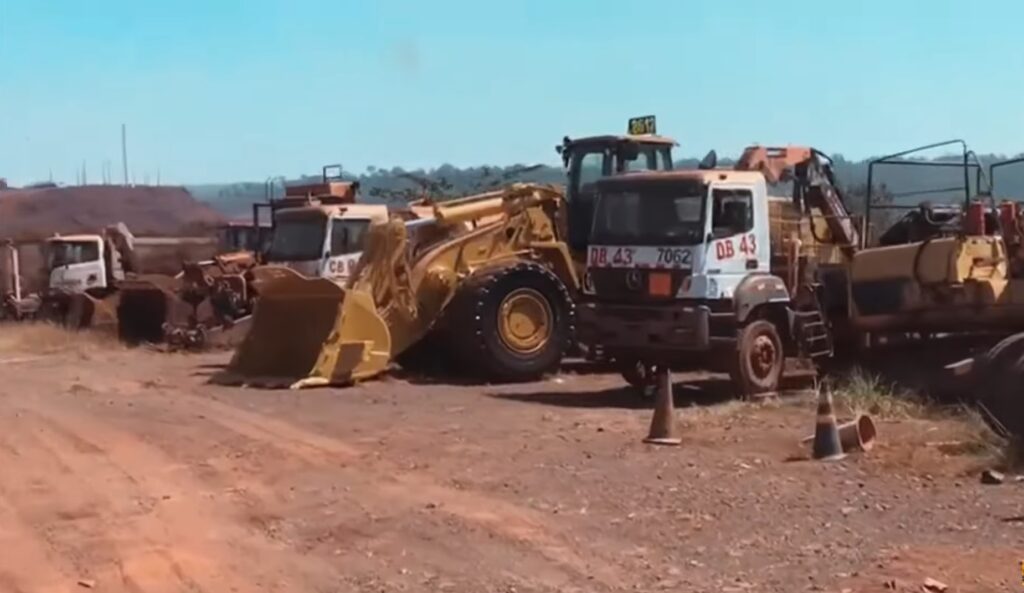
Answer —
(124, 152)
(84, 182)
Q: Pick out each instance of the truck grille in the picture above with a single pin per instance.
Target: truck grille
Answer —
(633, 284)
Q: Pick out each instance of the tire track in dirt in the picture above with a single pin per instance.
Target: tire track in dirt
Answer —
(148, 526)
(36, 511)
(25, 565)
(387, 489)
(388, 485)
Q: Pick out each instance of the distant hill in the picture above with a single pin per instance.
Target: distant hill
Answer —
(902, 184)
(36, 213)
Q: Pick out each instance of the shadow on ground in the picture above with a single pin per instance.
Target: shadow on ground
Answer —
(702, 392)
(917, 367)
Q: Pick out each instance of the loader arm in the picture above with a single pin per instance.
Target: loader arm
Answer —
(410, 295)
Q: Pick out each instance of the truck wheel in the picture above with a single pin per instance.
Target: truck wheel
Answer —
(640, 376)
(759, 359)
(520, 320)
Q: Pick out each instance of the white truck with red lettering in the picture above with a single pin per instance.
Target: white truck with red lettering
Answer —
(323, 241)
(681, 263)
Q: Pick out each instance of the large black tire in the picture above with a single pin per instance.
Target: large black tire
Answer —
(476, 326)
(998, 375)
(758, 359)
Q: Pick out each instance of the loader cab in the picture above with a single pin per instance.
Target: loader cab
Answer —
(588, 159)
(678, 234)
(77, 263)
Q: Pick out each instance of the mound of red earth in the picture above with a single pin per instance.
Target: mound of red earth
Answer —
(27, 214)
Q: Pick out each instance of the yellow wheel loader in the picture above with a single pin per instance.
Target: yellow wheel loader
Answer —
(488, 274)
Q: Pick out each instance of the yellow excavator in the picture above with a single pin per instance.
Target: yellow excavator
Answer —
(487, 272)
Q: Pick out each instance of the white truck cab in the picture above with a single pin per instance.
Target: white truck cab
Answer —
(319, 230)
(698, 235)
(324, 241)
(679, 264)
(77, 263)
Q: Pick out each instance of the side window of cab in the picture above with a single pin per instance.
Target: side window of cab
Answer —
(732, 212)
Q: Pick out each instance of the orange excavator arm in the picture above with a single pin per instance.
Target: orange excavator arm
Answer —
(813, 185)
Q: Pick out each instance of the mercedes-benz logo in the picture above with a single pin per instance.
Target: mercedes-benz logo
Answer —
(588, 283)
(633, 280)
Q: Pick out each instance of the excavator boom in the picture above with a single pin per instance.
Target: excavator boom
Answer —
(814, 185)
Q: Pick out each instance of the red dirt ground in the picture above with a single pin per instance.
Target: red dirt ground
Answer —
(126, 472)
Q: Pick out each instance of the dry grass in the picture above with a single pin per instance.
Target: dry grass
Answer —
(20, 340)
(860, 392)
(1007, 453)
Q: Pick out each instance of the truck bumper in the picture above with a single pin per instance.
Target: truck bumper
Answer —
(640, 329)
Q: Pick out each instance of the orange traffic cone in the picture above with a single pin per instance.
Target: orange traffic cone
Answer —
(827, 445)
(663, 423)
(858, 434)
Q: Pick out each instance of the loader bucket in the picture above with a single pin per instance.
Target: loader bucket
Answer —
(308, 332)
(146, 303)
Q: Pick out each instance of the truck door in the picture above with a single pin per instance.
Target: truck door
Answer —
(736, 246)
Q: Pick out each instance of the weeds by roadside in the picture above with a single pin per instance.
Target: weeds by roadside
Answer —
(1006, 452)
(860, 392)
(42, 339)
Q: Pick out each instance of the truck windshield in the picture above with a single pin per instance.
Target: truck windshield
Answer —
(657, 215)
(348, 235)
(298, 238)
(63, 253)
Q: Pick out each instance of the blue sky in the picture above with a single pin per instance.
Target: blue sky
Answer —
(243, 89)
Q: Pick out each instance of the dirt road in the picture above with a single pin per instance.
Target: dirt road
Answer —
(124, 471)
